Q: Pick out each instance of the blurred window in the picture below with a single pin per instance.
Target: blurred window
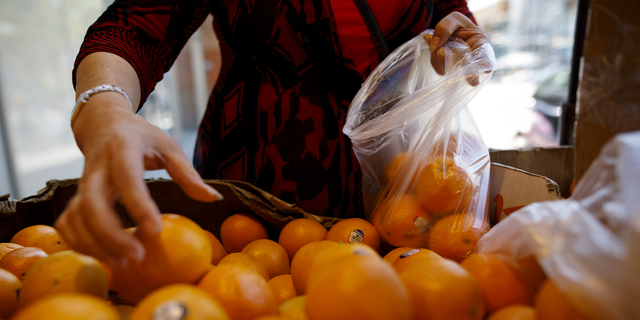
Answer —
(533, 42)
(39, 40)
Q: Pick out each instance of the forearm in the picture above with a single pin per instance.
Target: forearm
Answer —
(107, 68)
(104, 68)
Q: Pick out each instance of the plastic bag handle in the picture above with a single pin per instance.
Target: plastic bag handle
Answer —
(374, 28)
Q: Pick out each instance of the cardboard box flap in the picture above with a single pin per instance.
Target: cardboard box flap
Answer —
(555, 163)
(511, 189)
(48, 204)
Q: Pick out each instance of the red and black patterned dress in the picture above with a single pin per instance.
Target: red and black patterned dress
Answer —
(290, 69)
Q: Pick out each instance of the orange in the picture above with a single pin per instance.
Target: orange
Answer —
(442, 289)
(129, 284)
(271, 317)
(443, 186)
(282, 287)
(68, 306)
(299, 232)
(9, 287)
(355, 230)
(247, 260)
(455, 236)
(392, 255)
(180, 301)
(357, 287)
(40, 236)
(64, 272)
(532, 270)
(517, 312)
(243, 293)
(20, 260)
(124, 310)
(217, 249)
(552, 304)
(503, 283)
(7, 247)
(271, 254)
(302, 261)
(412, 257)
(403, 222)
(394, 167)
(130, 230)
(239, 230)
(294, 308)
(180, 253)
(332, 255)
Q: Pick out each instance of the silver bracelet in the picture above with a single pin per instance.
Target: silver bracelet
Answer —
(85, 96)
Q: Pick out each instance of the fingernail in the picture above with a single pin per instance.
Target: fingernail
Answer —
(215, 192)
(427, 37)
(433, 45)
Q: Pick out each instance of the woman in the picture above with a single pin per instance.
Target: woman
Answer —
(274, 118)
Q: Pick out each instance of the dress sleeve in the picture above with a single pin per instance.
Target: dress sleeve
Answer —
(147, 34)
(442, 8)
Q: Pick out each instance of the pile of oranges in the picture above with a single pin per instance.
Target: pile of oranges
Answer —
(308, 273)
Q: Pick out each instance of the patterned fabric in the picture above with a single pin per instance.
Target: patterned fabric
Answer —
(276, 114)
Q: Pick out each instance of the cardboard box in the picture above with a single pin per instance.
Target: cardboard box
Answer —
(510, 188)
(555, 163)
(608, 99)
(49, 203)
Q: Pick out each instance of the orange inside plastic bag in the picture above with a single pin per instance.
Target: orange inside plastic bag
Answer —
(425, 167)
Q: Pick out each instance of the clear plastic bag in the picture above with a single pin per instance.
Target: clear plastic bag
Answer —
(589, 244)
(425, 167)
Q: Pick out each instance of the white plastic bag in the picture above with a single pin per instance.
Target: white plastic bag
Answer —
(588, 245)
(420, 151)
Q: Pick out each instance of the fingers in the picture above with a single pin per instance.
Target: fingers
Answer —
(474, 38)
(127, 174)
(83, 239)
(115, 165)
(458, 25)
(92, 227)
(473, 80)
(437, 57)
(446, 27)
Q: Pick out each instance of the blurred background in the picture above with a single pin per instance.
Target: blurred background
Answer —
(39, 40)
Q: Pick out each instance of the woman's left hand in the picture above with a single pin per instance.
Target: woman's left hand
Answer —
(457, 25)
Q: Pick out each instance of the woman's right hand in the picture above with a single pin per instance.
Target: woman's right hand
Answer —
(119, 146)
